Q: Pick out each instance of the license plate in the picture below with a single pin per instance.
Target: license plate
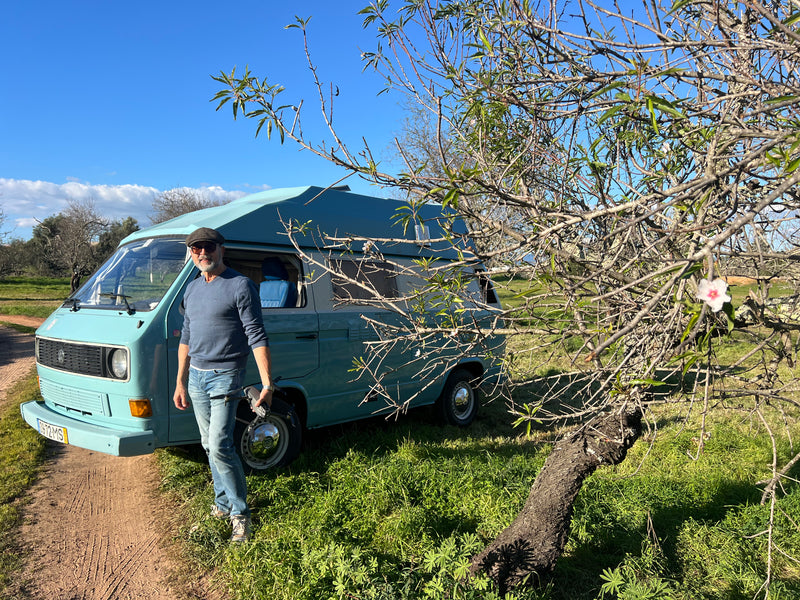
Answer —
(53, 432)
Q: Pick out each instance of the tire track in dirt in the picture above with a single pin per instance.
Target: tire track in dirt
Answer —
(92, 525)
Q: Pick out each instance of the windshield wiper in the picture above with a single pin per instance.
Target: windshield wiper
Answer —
(76, 304)
(131, 310)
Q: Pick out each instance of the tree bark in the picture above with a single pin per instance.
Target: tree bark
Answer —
(527, 551)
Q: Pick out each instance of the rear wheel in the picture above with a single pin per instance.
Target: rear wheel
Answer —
(267, 442)
(458, 403)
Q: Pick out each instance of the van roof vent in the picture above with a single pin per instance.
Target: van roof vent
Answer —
(423, 233)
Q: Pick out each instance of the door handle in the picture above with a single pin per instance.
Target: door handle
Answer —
(308, 336)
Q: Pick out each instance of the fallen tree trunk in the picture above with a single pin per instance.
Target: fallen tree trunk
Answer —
(527, 550)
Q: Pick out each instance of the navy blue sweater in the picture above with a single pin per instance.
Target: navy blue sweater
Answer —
(222, 321)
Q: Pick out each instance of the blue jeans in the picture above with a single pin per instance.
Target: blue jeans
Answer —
(216, 419)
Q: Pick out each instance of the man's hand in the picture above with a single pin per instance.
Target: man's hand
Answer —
(265, 397)
(181, 397)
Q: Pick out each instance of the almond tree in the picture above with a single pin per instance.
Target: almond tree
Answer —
(622, 161)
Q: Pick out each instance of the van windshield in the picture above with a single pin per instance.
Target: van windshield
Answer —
(135, 278)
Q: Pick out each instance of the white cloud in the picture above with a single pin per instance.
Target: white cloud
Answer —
(26, 202)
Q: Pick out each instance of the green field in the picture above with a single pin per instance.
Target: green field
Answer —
(32, 297)
(395, 509)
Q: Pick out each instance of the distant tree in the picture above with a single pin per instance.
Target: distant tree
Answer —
(67, 243)
(113, 235)
(42, 258)
(178, 201)
(14, 257)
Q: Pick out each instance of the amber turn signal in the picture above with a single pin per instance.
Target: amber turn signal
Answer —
(141, 408)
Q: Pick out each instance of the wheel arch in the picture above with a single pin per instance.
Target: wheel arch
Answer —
(295, 396)
(473, 366)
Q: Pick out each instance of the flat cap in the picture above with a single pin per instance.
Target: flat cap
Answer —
(204, 234)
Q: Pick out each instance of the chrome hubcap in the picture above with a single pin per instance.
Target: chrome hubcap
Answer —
(265, 442)
(462, 400)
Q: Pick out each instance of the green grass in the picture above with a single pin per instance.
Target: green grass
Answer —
(378, 510)
(21, 454)
(32, 296)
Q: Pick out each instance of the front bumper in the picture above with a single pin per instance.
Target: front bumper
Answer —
(91, 437)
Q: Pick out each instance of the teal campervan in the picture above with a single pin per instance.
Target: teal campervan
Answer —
(107, 358)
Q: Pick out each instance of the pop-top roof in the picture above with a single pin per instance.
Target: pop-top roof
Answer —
(259, 218)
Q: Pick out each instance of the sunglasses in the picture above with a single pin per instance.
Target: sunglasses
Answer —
(209, 247)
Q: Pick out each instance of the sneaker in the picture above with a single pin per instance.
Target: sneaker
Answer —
(241, 529)
(218, 513)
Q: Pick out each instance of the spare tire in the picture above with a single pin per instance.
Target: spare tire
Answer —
(270, 441)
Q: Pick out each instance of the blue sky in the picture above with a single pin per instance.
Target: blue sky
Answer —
(110, 101)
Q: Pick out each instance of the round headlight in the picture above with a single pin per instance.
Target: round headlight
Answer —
(118, 363)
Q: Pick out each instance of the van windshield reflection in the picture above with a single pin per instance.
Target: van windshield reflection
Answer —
(135, 278)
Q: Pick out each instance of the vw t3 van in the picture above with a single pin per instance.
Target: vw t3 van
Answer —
(107, 358)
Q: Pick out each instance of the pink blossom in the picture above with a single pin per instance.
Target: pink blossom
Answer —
(713, 293)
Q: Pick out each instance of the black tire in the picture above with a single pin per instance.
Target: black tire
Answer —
(458, 403)
(264, 443)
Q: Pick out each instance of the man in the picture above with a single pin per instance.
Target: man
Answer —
(222, 323)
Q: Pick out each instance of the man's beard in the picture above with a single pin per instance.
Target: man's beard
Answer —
(205, 267)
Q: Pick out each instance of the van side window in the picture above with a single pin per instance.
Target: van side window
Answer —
(276, 276)
(378, 276)
(276, 288)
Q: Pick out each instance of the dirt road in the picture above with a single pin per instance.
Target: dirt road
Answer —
(93, 528)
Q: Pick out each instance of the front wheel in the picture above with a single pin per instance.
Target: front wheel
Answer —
(267, 442)
(458, 403)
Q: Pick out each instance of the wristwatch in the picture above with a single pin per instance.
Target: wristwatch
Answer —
(270, 388)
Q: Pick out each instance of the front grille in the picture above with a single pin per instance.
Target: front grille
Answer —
(83, 359)
(72, 399)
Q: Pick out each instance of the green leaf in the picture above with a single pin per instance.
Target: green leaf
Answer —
(698, 266)
(689, 362)
(451, 198)
(792, 19)
(727, 309)
(485, 41)
(690, 326)
(666, 106)
(679, 5)
(609, 113)
(647, 382)
(608, 88)
(623, 97)
(652, 111)
(781, 99)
